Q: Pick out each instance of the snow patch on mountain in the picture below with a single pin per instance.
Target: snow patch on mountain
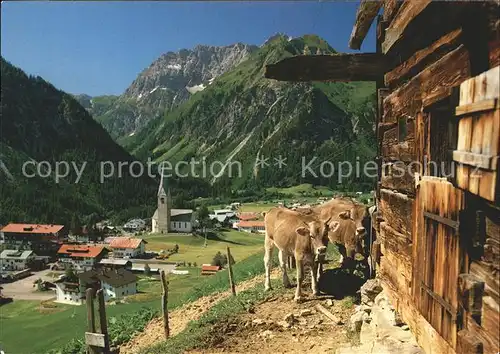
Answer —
(195, 88)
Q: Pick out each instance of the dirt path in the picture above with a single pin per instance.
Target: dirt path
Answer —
(179, 318)
(280, 325)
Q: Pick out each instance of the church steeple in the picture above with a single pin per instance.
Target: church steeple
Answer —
(163, 205)
(161, 187)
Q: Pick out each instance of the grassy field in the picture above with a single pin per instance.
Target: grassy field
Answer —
(55, 326)
(191, 248)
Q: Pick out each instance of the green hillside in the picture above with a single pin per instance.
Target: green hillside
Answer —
(242, 115)
(40, 123)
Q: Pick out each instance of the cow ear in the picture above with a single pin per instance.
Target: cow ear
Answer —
(302, 231)
(345, 214)
(334, 226)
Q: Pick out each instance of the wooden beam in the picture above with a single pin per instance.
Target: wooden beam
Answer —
(423, 58)
(338, 67)
(390, 9)
(408, 11)
(478, 160)
(432, 84)
(480, 106)
(367, 11)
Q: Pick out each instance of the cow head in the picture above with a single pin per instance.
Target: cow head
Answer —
(353, 229)
(317, 232)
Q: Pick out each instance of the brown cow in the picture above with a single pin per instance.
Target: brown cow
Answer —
(304, 236)
(352, 217)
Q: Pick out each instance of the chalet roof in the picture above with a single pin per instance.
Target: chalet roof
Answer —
(126, 242)
(251, 223)
(175, 212)
(115, 278)
(109, 261)
(248, 216)
(81, 250)
(33, 228)
(15, 254)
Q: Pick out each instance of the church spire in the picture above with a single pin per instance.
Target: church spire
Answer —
(161, 187)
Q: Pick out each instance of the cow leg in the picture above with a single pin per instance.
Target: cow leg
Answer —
(268, 255)
(300, 277)
(283, 257)
(343, 255)
(319, 272)
(314, 280)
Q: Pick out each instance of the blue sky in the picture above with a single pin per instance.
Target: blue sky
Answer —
(99, 48)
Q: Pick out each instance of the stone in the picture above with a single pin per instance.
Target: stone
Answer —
(355, 322)
(370, 290)
(305, 312)
(266, 334)
(284, 324)
(290, 318)
(258, 321)
(329, 302)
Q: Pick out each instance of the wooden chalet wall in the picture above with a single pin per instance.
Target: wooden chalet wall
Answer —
(439, 243)
(437, 247)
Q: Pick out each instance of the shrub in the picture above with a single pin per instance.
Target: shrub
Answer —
(221, 260)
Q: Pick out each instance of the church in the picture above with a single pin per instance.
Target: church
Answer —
(166, 219)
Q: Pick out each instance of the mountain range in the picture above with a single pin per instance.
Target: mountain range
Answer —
(207, 104)
(213, 104)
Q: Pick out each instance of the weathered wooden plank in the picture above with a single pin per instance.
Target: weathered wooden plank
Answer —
(95, 339)
(408, 11)
(489, 273)
(396, 210)
(471, 290)
(398, 250)
(494, 54)
(488, 340)
(468, 343)
(423, 58)
(390, 9)
(399, 176)
(336, 67)
(475, 107)
(432, 84)
(366, 13)
(474, 159)
(398, 147)
(490, 324)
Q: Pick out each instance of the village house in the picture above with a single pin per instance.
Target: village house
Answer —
(436, 252)
(81, 257)
(111, 263)
(254, 226)
(44, 240)
(12, 260)
(126, 247)
(116, 283)
(134, 225)
(165, 219)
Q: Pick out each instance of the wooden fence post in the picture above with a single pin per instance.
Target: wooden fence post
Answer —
(102, 320)
(230, 272)
(164, 304)
(89, 300)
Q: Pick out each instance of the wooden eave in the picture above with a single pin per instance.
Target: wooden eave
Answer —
(366, 13)
(337, 67)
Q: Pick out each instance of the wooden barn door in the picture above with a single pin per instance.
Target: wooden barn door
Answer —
(438, 254)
